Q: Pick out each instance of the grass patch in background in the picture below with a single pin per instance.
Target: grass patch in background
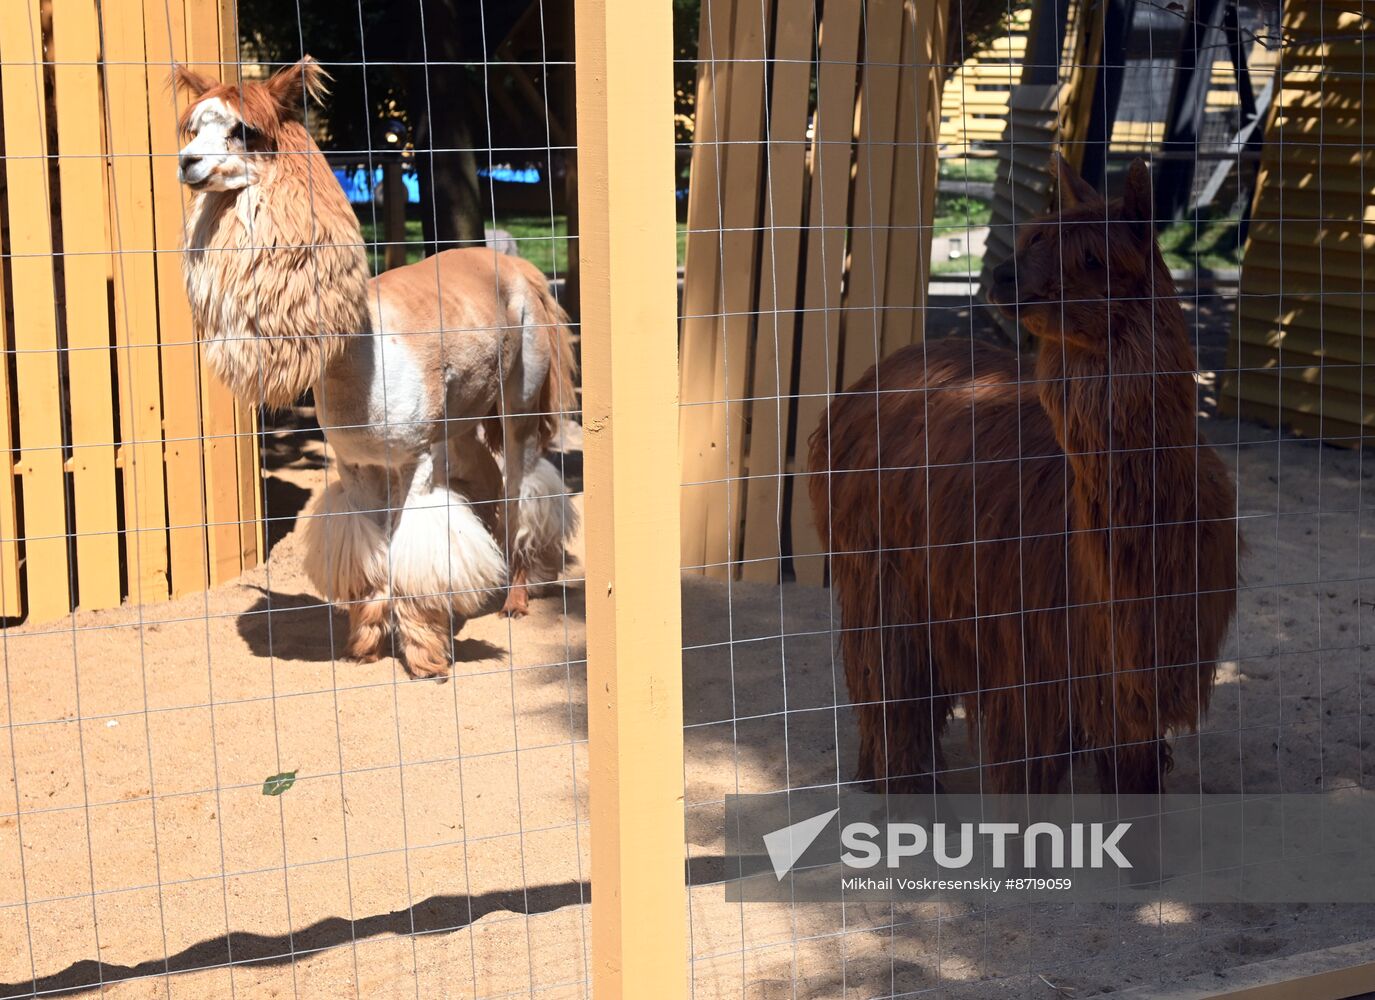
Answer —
(967, 266)
(1205, 244)
(983, 170)
(542, 244)
(956, 213)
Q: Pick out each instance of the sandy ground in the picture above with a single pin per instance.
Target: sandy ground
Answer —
(435, 842)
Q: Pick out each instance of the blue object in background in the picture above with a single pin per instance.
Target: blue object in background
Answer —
(354, 181)
(511, 175)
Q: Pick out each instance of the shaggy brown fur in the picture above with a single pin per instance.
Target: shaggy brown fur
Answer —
(1057, 553)
(302, 275)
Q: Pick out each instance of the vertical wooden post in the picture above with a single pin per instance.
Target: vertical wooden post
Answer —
(630, 414)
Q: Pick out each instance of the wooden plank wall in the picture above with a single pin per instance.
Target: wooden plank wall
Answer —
(104, 478)
(807, 252)
(975, 102)
(1299, 351)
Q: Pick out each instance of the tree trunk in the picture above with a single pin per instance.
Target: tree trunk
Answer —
(450, 197)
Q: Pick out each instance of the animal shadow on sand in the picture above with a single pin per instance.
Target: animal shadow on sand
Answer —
(435, 914)
(302, 627)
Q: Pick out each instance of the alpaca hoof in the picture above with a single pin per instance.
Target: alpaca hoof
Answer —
(368, 653)
(517, 602)
(420, 666)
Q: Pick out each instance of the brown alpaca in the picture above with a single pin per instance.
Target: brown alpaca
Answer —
(1056, 551)
(424, 378)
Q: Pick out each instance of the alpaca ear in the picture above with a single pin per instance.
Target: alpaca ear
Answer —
(1136, 197)
(1074, 190)
(189, 81)
(299, 82)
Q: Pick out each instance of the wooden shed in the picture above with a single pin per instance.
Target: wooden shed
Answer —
(1298, 355)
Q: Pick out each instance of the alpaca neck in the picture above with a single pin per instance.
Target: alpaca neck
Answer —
(1126, 422)
(276, 275)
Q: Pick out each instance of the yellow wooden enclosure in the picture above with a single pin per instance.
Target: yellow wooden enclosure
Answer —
(808, 239)
(1299, 350)
(975, 102)
(125, 470)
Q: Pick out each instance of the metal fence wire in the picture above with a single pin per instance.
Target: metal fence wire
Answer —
(998, 368)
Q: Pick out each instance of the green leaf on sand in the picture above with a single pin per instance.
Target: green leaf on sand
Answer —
(279, 783)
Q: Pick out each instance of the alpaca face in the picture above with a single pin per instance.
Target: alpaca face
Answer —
(234, 131)
(1071, 269)
(222, 150)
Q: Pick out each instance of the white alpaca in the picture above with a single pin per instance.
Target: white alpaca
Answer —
(438, 385)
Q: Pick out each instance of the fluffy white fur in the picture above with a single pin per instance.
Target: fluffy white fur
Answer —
(548, 520)
(462, 574)
(346, 549)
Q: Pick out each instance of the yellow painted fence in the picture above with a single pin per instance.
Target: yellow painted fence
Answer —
(125, 470)
(808, 241)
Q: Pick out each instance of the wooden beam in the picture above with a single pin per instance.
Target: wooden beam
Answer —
(630, 413)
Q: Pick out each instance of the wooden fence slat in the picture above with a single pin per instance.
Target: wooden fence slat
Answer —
(780, 254)
(251, 531)
(862, 319)
(826, 247)
(136, 324)
(899, 314)
(934, 16)
(165, 32)
(740, 257)
(11, 596)
(248, 499)
(38, 380)
(85, 267)
(699, 343)
(218, 407)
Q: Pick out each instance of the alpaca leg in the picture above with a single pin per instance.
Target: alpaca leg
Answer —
(900, 720)
(346, 556)
(424, 632)
(1134, 768)
(475, 473)
(516, 438)
(367, 629)
(860, 642)
(915, 713)
(444, 564)
(1024, 751)
(547, 521)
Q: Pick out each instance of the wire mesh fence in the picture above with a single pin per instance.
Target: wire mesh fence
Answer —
(235, 782)
(998, 489)
(1012, 425)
